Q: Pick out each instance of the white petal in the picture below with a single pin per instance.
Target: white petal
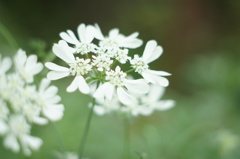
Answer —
(83, 86)
(10, 142)
(60, 51)
(90, 30)
(98, 33)
(55, 67)
(156, 53)
(52, 99)
(40, 120)
(55, 75)
(139, 86)
(34, 142)
(110, 91)
(113, 33)
(132, 43)
(101, 90)
(31, 60)
(5, 65)
(82, 33)
(51, 91)
(161, 73)
(99, 110)
(125, 97)
(20, 59)
(165, 104)
(150, 46)
(156, 92)
(67, 38)
(74, 85)
(155, 79)
(3, 128)
(54, 112)
(44, 84)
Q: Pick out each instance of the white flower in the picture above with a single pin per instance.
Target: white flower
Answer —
(77, 67)
(19, 134)
(67, 155)
(140, 64)
(146, 104)
(21, 104)
(122, 55)
(115, 39)
(82, 45)
(102, 61)
(27, 67)
(107, 106)
(116, 81)
(48, 100)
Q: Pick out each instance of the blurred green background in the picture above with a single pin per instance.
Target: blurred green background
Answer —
(201, 41)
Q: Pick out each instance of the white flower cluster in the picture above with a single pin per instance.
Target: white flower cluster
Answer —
(22, 104)
(97, 64)
(144, 105)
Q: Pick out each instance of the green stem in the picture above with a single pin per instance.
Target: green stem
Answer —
(87, 126)
(58, 137)
(127, 139)
(130, 70)
(8, 36)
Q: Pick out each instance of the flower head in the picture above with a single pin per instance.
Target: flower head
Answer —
(101, 70)
(22, 104)
(140, 64)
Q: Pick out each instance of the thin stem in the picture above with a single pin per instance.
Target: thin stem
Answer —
(87, 126)
(8, 36)
(130, 70)
(127, 139)
(58, 137)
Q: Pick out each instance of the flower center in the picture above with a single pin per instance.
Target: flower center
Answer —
(102, 61)
(80, 67)
(84, 48)
(138, 64)
(116, 78)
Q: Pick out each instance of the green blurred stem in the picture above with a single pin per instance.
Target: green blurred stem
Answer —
(87, 126)
(127, 138)
(58, 137)
(8, 36)
(128, 71)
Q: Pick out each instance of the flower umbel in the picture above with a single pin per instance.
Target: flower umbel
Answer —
(101, 65)
(22, 104)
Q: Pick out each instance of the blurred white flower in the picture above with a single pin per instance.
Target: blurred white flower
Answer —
(107, 106)
(27, 67)
(144, 104)
(48, 101)
(140, 64)
(22, 104)
(148, 103)
(66, 155)
(19, 134)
